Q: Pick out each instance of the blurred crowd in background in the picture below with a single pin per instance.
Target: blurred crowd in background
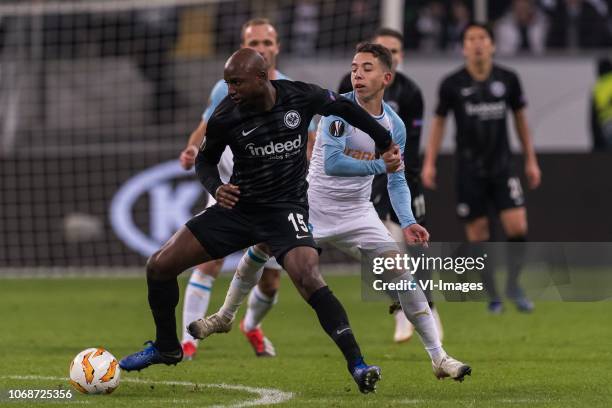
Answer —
(311, 26)
(520, 26)
(161, 38)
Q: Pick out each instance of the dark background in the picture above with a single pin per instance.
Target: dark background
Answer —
(572, 205)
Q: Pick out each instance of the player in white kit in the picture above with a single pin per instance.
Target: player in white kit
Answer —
(340, 181)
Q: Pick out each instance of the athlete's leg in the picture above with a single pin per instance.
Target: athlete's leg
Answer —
(403, 327)
(302, 266)
(415, 307)
(247, 274)
(179, 253)
(477, 231)
(245, 278)
(209, 235)
(514, 222)
(261, 300)
(373, 240)
(182, 251)
(197, 298)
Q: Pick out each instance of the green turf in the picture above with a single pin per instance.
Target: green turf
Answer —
(558, 357)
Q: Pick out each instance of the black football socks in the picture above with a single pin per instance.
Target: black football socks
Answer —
(334, 321)
(163, 298)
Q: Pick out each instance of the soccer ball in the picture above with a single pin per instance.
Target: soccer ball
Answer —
(95, 371)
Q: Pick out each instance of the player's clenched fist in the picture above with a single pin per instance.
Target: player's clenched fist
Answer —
(227, 195)
(188, 156)
(393, 159)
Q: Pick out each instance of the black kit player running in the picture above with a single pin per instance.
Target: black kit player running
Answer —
(265, 124)
(406, 99)
(484, 159)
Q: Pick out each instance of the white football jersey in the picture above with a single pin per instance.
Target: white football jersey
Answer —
(335, 131)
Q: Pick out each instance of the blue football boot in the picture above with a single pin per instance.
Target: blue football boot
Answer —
(366, 377)
(148, 356)
(522, 303)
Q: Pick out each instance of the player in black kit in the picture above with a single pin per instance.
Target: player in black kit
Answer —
(265, 123)
(406, 99)
(480, 95)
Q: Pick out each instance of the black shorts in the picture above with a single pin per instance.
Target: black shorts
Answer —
(476, 193)
(282, 227)
(382, 202)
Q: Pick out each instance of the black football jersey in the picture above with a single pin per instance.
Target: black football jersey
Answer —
(269, 148)
(480, 110)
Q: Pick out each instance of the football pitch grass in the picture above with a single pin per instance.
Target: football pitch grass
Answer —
(558, 356)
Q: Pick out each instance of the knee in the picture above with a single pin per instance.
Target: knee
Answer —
(264, 248)
(155, 268)
(212, 268)
(269, 282)
(517, 230)
(310, 277)
(478, 231)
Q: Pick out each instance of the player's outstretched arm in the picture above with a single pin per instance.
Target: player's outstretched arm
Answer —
(189, 153)
(436, 134)
(532, 169)
(357, 117)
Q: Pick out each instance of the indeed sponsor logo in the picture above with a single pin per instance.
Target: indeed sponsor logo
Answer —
(274, 148)
(493, 110)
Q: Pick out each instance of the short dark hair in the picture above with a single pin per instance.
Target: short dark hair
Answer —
(257, 21)
(473, 24)
(378, 51)
(388, 32)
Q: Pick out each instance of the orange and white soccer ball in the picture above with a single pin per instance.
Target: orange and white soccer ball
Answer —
(95, 371)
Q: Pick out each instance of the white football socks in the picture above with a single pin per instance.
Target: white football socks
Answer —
(259, 305)
(415, 307)
(246, 277)
(197, 297)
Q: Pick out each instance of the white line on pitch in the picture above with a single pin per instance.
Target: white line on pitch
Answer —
(266, 396)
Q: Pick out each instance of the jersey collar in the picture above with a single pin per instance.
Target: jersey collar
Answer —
(382, 107)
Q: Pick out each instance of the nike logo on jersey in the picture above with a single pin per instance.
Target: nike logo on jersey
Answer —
(248, 132)
(298, 236)
(467, 91)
